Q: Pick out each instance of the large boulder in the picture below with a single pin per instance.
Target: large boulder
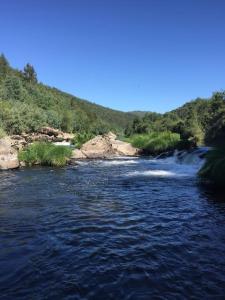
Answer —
(123, 148)
(8, 155)
(105, 146)
(98, 147)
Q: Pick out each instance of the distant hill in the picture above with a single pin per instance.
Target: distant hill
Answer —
(139, 113)
(201, 121)
(26, 105)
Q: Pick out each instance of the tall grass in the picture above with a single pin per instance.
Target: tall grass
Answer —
(46, 154)
(214, 168)
(155, 142)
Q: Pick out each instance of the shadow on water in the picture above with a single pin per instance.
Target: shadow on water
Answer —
(212, 193)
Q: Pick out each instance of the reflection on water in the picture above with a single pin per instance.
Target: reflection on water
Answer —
(117, 229)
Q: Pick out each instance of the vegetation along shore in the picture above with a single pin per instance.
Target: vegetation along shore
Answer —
(29, 107)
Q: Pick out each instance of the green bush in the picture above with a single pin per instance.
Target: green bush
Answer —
(45, 154)
(81, 138)
(213, 169)
(155, 142)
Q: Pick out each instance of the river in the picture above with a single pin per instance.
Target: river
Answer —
(136, 228)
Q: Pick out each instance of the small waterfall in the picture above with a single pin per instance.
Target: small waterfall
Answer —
(189, 157)
(184, 162)
(192, 156)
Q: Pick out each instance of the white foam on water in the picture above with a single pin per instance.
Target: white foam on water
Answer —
(126, 157)
(157, 173)
(110, 162)
(173, 171)
(181, 165)
(118, 162)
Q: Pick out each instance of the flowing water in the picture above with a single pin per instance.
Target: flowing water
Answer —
(135, 228)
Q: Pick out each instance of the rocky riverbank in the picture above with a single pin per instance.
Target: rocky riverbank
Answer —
(10, 145)
(102, 146)
(8, 155)
(45, 134)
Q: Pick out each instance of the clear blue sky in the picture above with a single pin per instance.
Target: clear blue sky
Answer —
(125, 54)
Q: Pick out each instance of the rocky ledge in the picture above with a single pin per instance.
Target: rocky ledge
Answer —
(102, 146)
(105, 146)
(10, 145)
(8, 155)
(45, 134)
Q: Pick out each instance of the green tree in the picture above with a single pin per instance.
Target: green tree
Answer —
(139, 126)
(14, 89)
(29, 74)
(215, 134)
(4, 67)
(67, 121)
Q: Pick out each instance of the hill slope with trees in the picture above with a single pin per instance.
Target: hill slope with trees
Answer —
(26, 105)
(201, 121)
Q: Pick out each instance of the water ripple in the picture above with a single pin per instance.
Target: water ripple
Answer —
(93, 231)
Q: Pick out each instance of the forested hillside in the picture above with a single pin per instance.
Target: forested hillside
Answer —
(26, 105)
(201, 121)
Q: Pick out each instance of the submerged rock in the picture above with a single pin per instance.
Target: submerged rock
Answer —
(105, 146)
(8, 155)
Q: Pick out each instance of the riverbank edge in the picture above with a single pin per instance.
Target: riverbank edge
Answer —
(100, 147)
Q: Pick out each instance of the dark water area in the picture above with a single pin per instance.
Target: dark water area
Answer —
(119, 229)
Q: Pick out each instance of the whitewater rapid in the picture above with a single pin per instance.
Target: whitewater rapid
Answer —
(180, 164)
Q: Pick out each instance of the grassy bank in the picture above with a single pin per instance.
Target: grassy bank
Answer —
(155, 142)
(45, 154)
(213, 170)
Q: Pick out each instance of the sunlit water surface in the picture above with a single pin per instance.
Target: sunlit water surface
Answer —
(117, 229)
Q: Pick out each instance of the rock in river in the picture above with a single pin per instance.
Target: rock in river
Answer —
(105, 146)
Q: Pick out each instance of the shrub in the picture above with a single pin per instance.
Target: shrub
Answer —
(45, 154)
(155, 142)
(20, 117)
(81, 138)
(213, 169)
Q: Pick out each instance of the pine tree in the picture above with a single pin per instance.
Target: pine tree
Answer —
(4, 66)
(29, 73)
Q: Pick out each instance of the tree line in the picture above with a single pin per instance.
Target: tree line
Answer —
(199, 122)
(26, 105)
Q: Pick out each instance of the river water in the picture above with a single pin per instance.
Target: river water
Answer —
(135, 228)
